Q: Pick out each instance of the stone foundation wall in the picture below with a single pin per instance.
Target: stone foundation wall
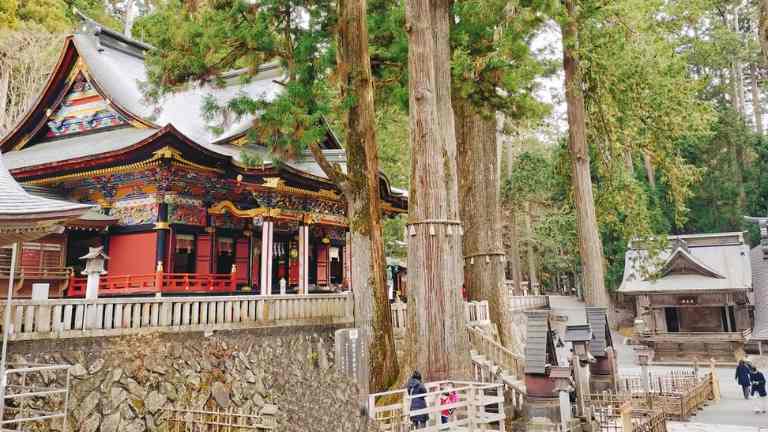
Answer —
(126, 383)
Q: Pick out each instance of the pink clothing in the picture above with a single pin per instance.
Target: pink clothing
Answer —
(450, 399)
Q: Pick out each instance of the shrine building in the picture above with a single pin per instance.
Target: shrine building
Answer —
(180, 209)
(693, 299)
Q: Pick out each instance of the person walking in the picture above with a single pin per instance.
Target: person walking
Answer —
(758, 387)
(743, 377)
(448, 397)
(416, 387)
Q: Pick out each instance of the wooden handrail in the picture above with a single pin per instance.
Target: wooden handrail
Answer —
(497, 353)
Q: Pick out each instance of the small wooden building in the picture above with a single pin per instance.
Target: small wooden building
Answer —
(691, 298)
(540, 357)
(603, 371)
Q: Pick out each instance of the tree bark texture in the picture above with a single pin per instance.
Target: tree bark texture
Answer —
(479, 197)
(514, 252)
(763, 29)
(437, 328)
(372, 311)
(650, 171)
(590, 246)
(533, 274)
(514, 237)
(757, 107)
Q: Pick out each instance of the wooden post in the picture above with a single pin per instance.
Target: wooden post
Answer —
(159, 279)
(303, 259)
(266, 257)
(715, 381)
(233, 279)
(626, 416)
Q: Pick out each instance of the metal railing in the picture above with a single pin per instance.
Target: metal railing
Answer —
(32, 385)
(69, 318)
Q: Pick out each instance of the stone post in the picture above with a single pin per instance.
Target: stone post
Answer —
(563, 387)
(644, 355)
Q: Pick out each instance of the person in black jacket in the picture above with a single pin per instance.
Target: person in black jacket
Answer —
(743, 377)
(758, 387)
(415, 387)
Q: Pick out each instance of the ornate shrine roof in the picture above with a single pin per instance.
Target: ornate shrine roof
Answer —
(93, 113)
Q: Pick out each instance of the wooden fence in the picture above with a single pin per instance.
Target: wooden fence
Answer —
(522, 303)
(476, 314)
(69, 318)
(677, 405)
(185, 420)
(479, 407)
(676, 381)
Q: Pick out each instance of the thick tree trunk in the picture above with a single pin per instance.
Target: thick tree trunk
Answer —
(129, 18)
(763, 29)
(533, 274)
(514, 236)
(372, 312)
(5, 77)
(650, 171)
(590, 246)
(478, 165)
(437, 329)
(757, 106)
(514, 252)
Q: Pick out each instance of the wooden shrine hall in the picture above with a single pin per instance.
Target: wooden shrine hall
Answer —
(180, 209)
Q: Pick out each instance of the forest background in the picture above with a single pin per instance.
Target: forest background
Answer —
(673, 96)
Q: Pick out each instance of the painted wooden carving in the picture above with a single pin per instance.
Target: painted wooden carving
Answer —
(82, 110)
(136, 211)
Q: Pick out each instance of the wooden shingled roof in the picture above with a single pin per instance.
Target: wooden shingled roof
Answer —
(539, 347)
(601, 333)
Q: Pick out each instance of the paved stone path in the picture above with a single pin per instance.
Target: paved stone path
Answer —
(700, 427)
(732, 411)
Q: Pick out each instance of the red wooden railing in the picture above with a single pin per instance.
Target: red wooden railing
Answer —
(159, 282)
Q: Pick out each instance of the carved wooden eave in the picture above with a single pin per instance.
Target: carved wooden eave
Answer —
(682, 262)
(307, 218)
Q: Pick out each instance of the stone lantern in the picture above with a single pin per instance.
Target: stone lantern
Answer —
(580, 335)
(94, 268)
(563, 388)
(643, 356)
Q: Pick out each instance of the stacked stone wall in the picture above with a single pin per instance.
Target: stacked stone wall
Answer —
(128, 383)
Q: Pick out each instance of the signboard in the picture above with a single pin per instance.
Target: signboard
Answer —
(349, 354)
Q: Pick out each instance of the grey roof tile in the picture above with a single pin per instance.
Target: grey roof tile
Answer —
(537, 341)
(75, 147)
(16, 205)
(598, 322)
(725, 255)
